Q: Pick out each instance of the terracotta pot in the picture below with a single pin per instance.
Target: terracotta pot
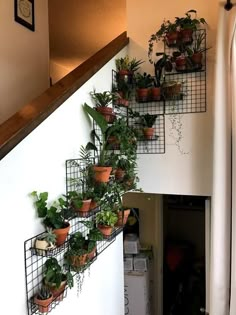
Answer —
(186, 36)
(119, 174)
(92, 253)
(122, 217)
(180, 63)
(126, 75)
(58, 292)
(93, 204)
(156, 93)
(107, 113)
(61, 234)
(105, 229)
(197, 59)
(84, 209)
(102, 173)
(113, 142)
(122, 102)
(43, 305)
(148, 132)
(172, 38)
(78, 260)
(143, 95)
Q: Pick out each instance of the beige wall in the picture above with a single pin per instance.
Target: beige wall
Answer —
(80, 28)
(163, 173)
(24, 58)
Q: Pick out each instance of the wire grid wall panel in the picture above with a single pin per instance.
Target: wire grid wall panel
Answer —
(34, 273)
(193, 92)
(156, 145)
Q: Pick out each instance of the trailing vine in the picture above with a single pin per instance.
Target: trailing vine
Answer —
(176, 131)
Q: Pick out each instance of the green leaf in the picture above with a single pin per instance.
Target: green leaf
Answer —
(97, 117)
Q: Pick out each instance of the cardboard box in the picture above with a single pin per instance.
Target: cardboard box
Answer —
(137, 299)
(131, 244)
(141, 262)
(128, 263)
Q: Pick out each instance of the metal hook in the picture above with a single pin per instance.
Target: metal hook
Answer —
(228, 6)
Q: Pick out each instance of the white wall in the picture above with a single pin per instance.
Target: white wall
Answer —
(38, 163)
(175, 172)
(24, 58)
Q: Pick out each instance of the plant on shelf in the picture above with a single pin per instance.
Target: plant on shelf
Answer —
(102, 102)
(126, 66)
(43, 299)
(168, 32)
(55, 278)
(188, 24)
(146, 121)
(44, 242)
(121, 210)
(124, 91)
(102, 169)
(143, 83)
(106, 220)
(172, 90)
(54, 216)
(195, 52)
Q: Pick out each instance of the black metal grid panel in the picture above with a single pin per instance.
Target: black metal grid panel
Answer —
(156, 145)
(33, 274)
(193, 94)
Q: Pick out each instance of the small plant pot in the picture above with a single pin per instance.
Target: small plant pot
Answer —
(148, 133)
(119, 174)
(186, 36)
(91, 255)
(197, 60)
(43, 305)
(78, 260)
(58, 292)
(126, 75)
(171, 90)
(42, 246)
(143, 95)
(155, 93)
(61, 234)
(123, 102)
(172, 38)
(122, 217)
(107, 113)
(93, 205)
(106, 230)
(180, 63)
(102, 173)
(84, 209)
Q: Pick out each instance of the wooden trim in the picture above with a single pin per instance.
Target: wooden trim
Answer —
(22, 123)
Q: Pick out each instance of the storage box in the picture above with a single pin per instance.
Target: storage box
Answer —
(137, 299)
(131, 244)
(141, 262)
(128, 263)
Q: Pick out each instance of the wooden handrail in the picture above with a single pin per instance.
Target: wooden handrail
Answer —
(17, 127)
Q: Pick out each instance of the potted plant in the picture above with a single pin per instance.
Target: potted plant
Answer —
(124, 92)
(44, 242)
(55, 278)
(147, 121)
(102, 102)
(143, 83)
(106, 220)
(171, 90)
(53, 216)
(126, 66)
(167, 32)
(195, 52)
(188, 24)
(93, 236)
(43, 299)
(76, 255)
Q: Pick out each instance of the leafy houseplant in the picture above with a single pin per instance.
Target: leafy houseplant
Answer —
(44, 242)
(168, 32)
(102, 100)
(53, 216)
(76, 255)
(55, 279)
(143, 82)
(126, 66)
(106, 219)
(103, 164)
(43, 299)
(188, 24)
